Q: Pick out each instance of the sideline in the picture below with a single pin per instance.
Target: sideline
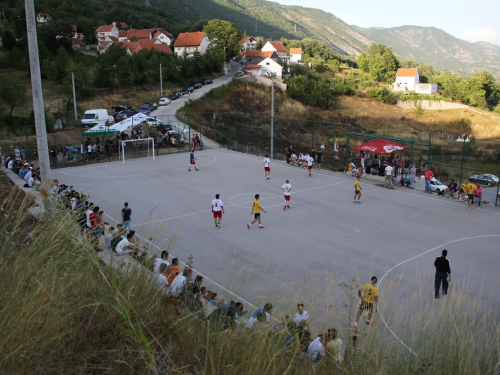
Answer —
(415, 257)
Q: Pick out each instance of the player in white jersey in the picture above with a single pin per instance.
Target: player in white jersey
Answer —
(217, 210)
(286, 188)
(310, 162)
(267, 166)
(293, 159)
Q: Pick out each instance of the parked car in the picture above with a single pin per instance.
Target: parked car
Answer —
(175, 95)
(187, 90)
(145, 109)
(164, 101)
(154, 107)
(122, 115)
(437, 186)
(151, 121)
(206, 81)
(120, 107)
(196, 85)
(239, 73)
(485, 179)
(93, 117)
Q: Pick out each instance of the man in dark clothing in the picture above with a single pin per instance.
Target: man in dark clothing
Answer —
(407, 165)
(443, 273)
(226, 315)
(289, 153)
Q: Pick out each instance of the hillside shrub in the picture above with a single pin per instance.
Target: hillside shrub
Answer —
(382, 94)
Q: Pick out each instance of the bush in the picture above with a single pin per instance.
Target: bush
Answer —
(383, 95)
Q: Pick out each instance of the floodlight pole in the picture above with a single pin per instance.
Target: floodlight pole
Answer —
(74, 95)
(161, 82)
(36, 86)
(272, 116)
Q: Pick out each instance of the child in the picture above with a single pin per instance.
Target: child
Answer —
(405, 180)
(357, 191)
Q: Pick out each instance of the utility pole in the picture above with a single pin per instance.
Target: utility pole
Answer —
(161, 82)
(272, 116)
(36, 87)
(255, 26)
(74, 95)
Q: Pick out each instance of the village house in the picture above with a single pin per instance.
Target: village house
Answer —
(249, 42)
(278, 47)
(408, 79)
(271, 67)
(295, 55)
(189, 43)
(105, 31)
(162, 36)
(253, 57)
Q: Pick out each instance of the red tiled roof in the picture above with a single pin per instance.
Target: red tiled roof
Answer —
(104, 45)
(253, 53)
(79, 41)
(159, 30)
(149, 44)
(105, 28)
(113, 38)
(189, 39)
(122, 33)
(245, 39)
(252, 67)
(406, 72)
(295, 51)
(267, 54)
(139, 33)
(130, 45)
(240, 55)
(278, 46)
(73, 27)
(122, 24)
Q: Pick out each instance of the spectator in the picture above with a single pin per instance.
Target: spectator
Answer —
(316, 350)
(266, 310)
(479, 194)
(172, 270)
(407, 165)
(126, 246)
(289, 152)
(428, 175)
(319, 156)
(126, 216)
(452, 188)
(226, 315)
(162, 259)
(443, 273)
(191, 295)
(301, 315)
(179, 283)
(388, 176)
(333, 344)
(413, 172)
(95, 227)
(161, 283)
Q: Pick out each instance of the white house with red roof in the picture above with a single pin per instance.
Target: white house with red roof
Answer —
(253, 57)
(278, 47)
(162, 36)
(105, 31)
(189, 43)
(295, 55)
(408, 79)
(249, 42)
(269, 66)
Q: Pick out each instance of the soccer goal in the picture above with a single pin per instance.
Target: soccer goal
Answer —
(134, 148)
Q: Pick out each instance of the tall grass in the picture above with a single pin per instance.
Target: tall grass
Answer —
(63, 311)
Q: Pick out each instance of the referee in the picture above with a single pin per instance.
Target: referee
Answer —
(443, 273)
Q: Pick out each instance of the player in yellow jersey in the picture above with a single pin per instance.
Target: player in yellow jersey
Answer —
(256, 208)
(470, 189)
(369, 298)
(357, 191)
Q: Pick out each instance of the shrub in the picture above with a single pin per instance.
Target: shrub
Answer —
(383, 95)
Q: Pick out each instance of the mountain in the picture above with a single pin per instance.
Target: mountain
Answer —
(437, 48)
(273, 20)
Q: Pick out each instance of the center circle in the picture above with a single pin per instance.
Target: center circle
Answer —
(267, 200)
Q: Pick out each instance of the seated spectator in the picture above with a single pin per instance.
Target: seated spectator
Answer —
(226, 315)
(316, 350)
(452, 188)
(191, 295)
(333, 344)
(162, 259)
(461, 193)
(161, 283)
(108, 238)
(172, 270)
(126, 246)
(210, 303)
(301, 314)
(266, 311)
(179, 283)
(405, 180)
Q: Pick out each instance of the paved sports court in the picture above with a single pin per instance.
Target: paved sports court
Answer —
(307, 251)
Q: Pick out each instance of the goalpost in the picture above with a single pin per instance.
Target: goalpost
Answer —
(135, 143)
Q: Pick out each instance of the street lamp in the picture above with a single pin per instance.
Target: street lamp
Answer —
(272, 75)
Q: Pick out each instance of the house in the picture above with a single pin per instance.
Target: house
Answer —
(128, 46)
(295, 55)
(120, 25)
(43, 18)
(249, 42)
(138, 34)
(104, 46)
(152, 44)
(105, 31)
(256, 56)
(407, 79)
(123, 35)
(278, 47)
(269, 66)
(189, 43)
(253, 70)
(77, 44)
(162, 36)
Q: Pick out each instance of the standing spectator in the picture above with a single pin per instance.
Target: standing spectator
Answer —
(301, 315)
(95, 228)
(413, 172)
(267, 166)
(369, 298)
(256, 212)
(89, 152)
(64, 157)
(193, 141)
(388, 176)
(362, 158)
(217, 210)
(287, 188)
(126, 216)
(407, 165)
(23, 153)
(192, 161)
(17, 152)
(443, 273)
(319, 156)
(316, 350)
(289, 152)
(35, 153)
(428, 174)
(479, 194)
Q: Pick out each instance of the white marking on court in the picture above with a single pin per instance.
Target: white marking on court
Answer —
(356, 231)
(142, 174)
(415, 257)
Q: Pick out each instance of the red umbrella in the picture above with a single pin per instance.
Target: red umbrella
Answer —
(380, 146)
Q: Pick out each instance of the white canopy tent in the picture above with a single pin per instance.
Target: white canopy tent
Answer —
(129, 122)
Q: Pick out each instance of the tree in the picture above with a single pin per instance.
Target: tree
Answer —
(380, 62)
(224, 34)
(8, 40)
(12, 93)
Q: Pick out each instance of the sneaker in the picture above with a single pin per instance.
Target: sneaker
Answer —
(354, 202)
(197, 169)
(189, 170)
(309, 175)
(470, 208)
(359, 202)
(288, 207)
(284, 208)
(248, 226)
(267, 178)
(217, 226)
(261, 227)
(451, 197)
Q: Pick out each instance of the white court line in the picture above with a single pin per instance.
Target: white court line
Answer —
(199, 273)
(412, 258)
(235, 205)
(142, 174)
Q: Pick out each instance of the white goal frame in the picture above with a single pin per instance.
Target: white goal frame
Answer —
(123, 142)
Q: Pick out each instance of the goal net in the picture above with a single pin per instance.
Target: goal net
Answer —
(136, 148)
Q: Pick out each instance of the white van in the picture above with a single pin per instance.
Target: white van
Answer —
(94, 117)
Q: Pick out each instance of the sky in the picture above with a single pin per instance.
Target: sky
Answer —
(469, 20)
